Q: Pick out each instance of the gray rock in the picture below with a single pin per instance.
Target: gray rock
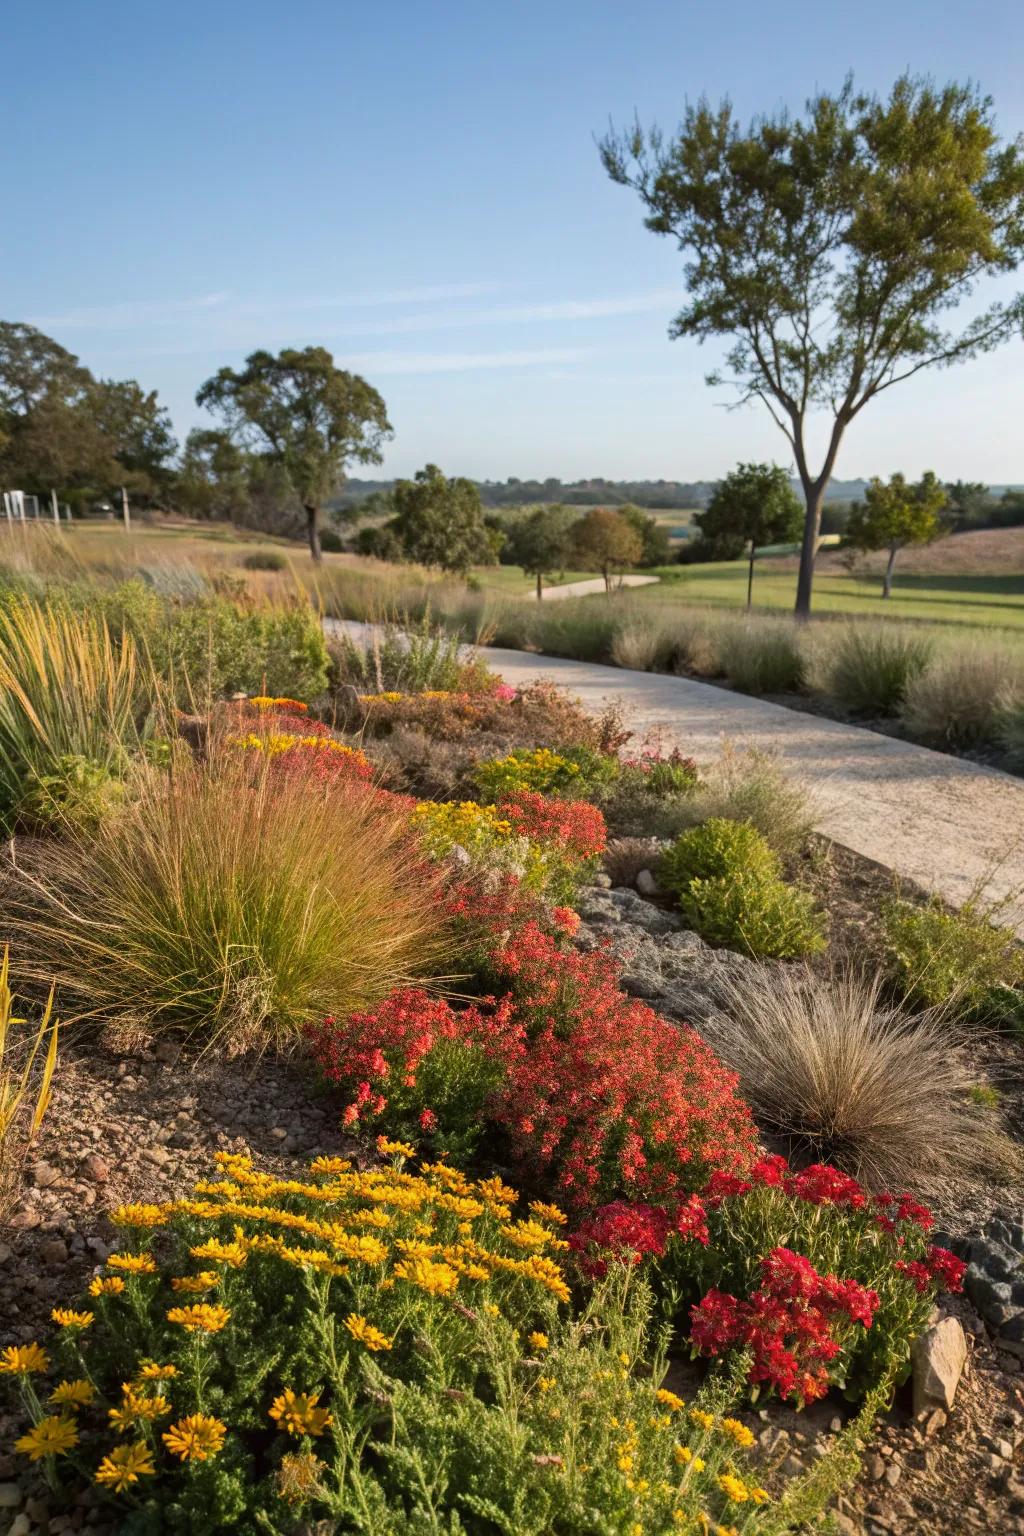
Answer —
(646, 884)
(10, 1495)
(939, 1356)
(53, 1250)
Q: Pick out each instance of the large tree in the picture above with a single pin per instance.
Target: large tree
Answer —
(753, 506)
(542, 542)
(606, 542)
(439, 521)
(895, 514)
(301, 413)
(831, 248)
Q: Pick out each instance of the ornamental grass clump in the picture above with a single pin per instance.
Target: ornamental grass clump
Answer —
(233, 902)
(871, 667)
(28, 1060)
(727, 882)
(74, 707)
(832, 1065)
(383, 1350)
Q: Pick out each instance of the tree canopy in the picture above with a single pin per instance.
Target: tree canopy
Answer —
(832, 248)
(754, 505)
(439, 521)
(606, 541)
(300, 412)
(542, 543)
(61, 429)
(896, 514)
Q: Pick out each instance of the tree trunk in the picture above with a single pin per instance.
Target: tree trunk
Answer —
(887, 583)
(313, 531)
(540, 586)
(750, 577)
(814, 496)
(606, 572)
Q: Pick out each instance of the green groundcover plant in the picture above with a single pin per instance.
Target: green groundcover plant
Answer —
(962, 959)
(727, 881)
(380, 1350)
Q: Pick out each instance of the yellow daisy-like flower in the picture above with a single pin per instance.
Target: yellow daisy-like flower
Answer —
(297, 1413)
(365, 1333)
(125, 1465)
(759, 1495)
(106, 1285)
(137, 1216)
(136, 1405)
(73, 1394)
(234, 1253)
(545, 1383)
(194, 1285)
(196, 1437)
(704, 1420)
(738, 1431)
(669, 1399)
(733, 1488)
(149, 1370)
(685, 1457)
(53, 1436)
(435, 1279)
(200, 1318)
(538, 1341)
(548, 1213)
(65, 1318)
(394, 1148)
(133, 1263)
(330, 1165)
(491, 1309)
(24, 1360)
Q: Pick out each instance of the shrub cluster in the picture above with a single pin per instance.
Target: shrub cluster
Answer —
(964, 958)
(728, 884)
(572, 771)
(582, 1082)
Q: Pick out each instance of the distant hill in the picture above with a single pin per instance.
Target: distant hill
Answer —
(668, 495)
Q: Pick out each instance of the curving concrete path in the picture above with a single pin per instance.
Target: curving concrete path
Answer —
(947, 824)
(594, 584)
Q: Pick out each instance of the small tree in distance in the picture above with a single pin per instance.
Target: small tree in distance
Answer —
(603, 541)
(896, 514)
(439, 521)
(754, 505)
(542, 542)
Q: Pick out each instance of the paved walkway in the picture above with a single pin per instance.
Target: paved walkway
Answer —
(595, 584)
(935, 819)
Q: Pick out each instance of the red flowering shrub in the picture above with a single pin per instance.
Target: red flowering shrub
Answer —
(574, 826)
(609, 1097)
(417, 1066)
(821, 1283)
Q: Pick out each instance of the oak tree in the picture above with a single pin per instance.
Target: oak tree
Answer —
(753, 506)
(895, 514)
(603, 541)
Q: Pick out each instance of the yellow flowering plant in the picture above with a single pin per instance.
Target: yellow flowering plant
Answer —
(400, 1340)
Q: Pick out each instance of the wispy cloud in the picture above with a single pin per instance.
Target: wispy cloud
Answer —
(375, 363)
(112, 317)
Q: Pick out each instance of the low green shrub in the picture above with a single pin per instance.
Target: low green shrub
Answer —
(230, 901)
(650, 796)
(762, 656)
(871, 668)
(727, 881)
(720, 848)
(765, 918)
(963, 960)
(753, 786)
(227, 1370)
(264, 560)
(75, 793)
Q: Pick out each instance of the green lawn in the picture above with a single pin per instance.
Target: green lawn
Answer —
(974, 600)
(510, 581)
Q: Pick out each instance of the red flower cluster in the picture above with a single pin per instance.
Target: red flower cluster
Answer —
(318, 763)
(378, 1055)
(627, 1233)
(573, 825)
(787, 1324)
(939, 1267)
(609, 1096)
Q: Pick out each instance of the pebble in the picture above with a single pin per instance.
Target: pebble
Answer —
(10, 1495)
(96, 1167)
(53, 1250)
(44, 1175)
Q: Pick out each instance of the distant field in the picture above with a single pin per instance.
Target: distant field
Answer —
(983, 600)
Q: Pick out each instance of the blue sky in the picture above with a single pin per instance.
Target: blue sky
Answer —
(415, 186)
